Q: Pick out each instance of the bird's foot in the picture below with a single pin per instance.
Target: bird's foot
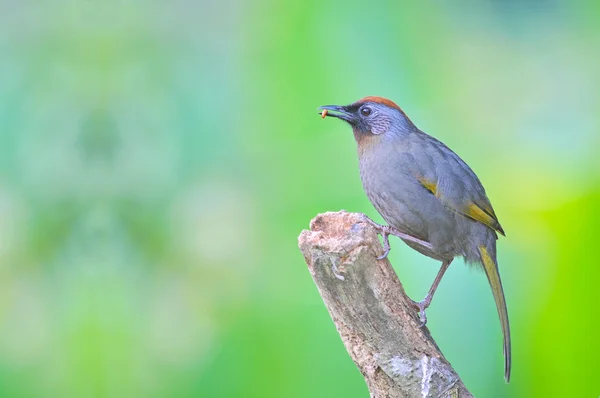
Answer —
(422, 306)
(386, 230)
(381, 229)
(386, 246)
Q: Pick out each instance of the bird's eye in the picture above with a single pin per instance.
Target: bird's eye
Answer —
(365, 111)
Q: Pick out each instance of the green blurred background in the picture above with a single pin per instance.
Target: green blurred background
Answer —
(159, 159)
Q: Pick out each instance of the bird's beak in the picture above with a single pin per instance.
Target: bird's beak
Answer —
(341, 112)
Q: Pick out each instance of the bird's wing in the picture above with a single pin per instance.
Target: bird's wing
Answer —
(453, 182)
(478, 210)
(483, 213)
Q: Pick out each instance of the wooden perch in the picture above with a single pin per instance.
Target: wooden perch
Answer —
(374, 317)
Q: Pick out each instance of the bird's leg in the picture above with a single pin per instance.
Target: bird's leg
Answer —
(422, 305)
(386, 230)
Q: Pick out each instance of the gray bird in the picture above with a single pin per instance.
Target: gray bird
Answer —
(428, 195)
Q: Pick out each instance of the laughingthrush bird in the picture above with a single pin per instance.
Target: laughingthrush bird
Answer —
(427, 194)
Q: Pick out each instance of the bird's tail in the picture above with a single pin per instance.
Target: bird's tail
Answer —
(491, 270)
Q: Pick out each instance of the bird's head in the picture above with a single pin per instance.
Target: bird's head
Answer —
(371, 116)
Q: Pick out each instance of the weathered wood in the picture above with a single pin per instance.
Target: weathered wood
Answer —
(373, 315)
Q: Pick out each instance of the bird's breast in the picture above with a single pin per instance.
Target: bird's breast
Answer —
(391, 189)
(390, 185)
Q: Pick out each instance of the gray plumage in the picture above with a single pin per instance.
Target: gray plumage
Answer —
(389, 171)
(423, 189)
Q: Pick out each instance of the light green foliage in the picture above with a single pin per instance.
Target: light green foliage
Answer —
(159, 159)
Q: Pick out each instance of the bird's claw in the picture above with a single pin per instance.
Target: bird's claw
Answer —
(384, 255)
(386, 246)
(422, 306)
(384, 231)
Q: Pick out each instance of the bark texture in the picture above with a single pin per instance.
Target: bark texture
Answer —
(373, 315)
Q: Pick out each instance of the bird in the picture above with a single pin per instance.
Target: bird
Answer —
(428, 196)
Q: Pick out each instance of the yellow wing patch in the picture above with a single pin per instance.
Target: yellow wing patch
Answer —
(428, 185)
(487, 218)
(481, 213)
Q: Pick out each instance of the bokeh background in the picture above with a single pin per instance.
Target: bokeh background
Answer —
(159, 159)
